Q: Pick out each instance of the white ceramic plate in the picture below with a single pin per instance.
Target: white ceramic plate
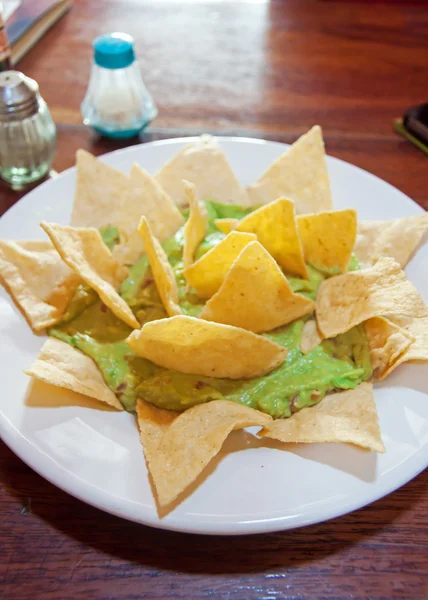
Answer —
(253, 486)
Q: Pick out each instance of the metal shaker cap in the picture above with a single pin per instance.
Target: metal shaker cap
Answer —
(19, 96)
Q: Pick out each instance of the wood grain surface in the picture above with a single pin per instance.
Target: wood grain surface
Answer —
(260, 69)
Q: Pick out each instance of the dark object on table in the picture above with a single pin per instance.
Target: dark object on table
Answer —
(414, 126)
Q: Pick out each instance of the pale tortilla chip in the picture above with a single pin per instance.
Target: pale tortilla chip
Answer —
(300, 174)
(190, 345)
(276, 230)
(203, 163)
(105, 196)
(387, 343)
(397, 239)
(195, 227)
(86, 254)
(226, 225)
(382, 290)
(348, 417)
(38, 279)
(161, 269)
(255, 294)
(178, 447)
(328, 239)
(64, 366)
(311, 337)
(207, 274)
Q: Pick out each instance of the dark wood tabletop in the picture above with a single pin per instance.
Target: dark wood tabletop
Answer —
(252, 68)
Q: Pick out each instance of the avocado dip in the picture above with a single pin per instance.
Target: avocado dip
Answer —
(301, 381)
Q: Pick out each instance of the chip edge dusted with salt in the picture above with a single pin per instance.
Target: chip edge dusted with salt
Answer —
(178, 447)
(234, 353)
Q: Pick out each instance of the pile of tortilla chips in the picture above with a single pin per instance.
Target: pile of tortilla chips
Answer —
(243, 283)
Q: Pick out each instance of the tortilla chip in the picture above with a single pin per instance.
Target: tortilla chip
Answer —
(328, 239)
(38, 279)
(195, 227)
(105, 196)
(161, 269)
(382, 290)
(311, 337)
(387, 342)
(226, 225)
(300, 174)
(397, 239)
(206, 274)
(203, 163)
(255, 294)
(276, 230)
(64, 366)
(348, 417)
(86, 254)
(178, 447)
(190, 345)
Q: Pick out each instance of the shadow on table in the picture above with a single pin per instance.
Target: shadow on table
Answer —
(162, 550)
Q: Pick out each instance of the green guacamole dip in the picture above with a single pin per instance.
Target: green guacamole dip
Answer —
(302, 380)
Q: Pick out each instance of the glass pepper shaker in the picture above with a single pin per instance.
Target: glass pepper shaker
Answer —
(117, 103)
(27, 131)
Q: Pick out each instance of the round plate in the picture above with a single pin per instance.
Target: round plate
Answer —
(253, 485)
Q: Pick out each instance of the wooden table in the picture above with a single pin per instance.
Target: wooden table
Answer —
(258, 69)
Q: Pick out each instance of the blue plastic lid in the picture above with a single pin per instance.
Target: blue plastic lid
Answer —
(114, 50)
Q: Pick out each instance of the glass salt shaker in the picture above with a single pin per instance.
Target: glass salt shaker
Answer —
(27, 131)
(117, 103)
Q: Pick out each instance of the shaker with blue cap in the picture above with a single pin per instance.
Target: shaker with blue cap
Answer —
(117, 103)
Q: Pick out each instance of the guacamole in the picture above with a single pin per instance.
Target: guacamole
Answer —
(302, 380)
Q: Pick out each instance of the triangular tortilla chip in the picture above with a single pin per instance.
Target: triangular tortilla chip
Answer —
(203, 163)
(105, 196)
(38, 279)
(206, 274)
(300, 174)
(226, 225)
(276, 230)
(348, 417)
(397, 239)
(161, 269)
(255, 294)
(86, 254)
(387, 343)
(178, 447)
(382, 290)
(64, 366)
(311, 337)
(328, 239)
(190, 345)
(196, 225)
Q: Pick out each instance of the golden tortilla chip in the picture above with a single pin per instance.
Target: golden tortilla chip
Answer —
(105, 196)
(190, 345)
(206, 274)
(38, 279)
(161, 269)
(382, 290)
(387, 342)
(195, 227)
(397, 239)
(276, 230)
(348, 417)
(203, 163)
(328, 239)
(64, 366)
(178, 447)
(300, 174)
(311, 337)
(86, 254)
(226, 225)
(255, 294)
